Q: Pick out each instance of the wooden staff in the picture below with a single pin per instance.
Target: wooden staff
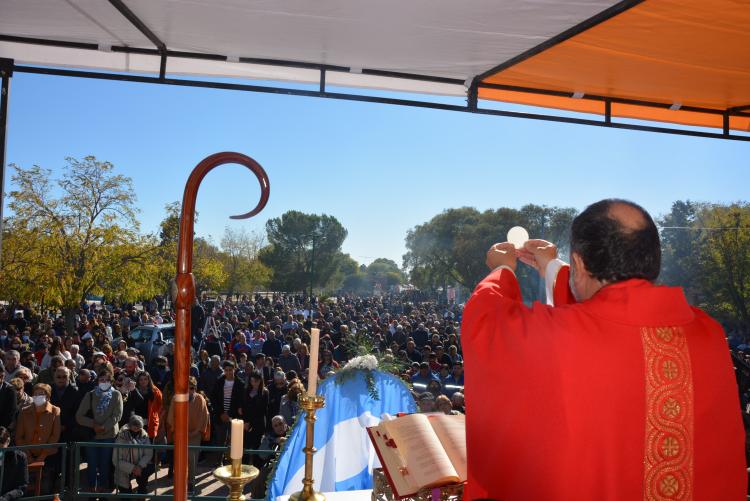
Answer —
(186, 296)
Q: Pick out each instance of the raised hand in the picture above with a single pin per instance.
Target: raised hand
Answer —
(537, 253)
(501, 254)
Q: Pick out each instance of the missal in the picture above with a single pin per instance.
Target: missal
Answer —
(419, 451)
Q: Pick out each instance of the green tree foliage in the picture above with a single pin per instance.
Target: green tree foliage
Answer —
(450, 248)
(74, 236)
(706, 250)
(304, 250)
(680, 240)
(244, 271)
(381, 274)
(208, 268)
(725, 260)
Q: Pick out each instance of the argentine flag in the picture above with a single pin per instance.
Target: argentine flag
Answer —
(345, 456)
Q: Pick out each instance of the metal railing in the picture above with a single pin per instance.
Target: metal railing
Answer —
(60, 447)
(69, 475)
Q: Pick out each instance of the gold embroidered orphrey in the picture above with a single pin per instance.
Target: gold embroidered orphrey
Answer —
(668, 458)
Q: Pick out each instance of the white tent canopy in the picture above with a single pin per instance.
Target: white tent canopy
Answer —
(450, 41)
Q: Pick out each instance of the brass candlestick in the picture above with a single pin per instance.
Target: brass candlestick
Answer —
(235, 476)
(310, 404)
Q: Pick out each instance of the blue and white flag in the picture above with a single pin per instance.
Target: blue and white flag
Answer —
(345, 456)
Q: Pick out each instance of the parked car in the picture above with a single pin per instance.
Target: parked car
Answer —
(153, 341)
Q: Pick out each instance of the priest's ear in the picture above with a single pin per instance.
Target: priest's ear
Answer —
(578, 265)
(584, 284)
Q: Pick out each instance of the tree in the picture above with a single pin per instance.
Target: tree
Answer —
(244, 271)
(724, 257)
(385, 273)
(208, 267)
(304, 250)
(450, 248)
(431, 251)
(382, 273)
(78, 239)
(680, 239)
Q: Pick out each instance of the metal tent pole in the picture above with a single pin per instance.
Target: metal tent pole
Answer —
(6, 71)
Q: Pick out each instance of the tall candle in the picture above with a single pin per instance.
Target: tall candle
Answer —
(312, 376)
(238, 430)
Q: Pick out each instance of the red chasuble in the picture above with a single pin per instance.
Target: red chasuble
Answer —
(628, 396)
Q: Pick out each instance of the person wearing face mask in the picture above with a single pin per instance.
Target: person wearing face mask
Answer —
(133, 462)
(619, 389)
(4, 340)
(28, 360)
(101, 410)
(15, 469)
(39, 424)
(133, 400)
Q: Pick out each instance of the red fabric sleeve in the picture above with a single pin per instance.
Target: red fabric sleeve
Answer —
(506, 358)
(561, 292)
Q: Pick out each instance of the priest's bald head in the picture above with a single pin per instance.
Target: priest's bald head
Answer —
(611, 241)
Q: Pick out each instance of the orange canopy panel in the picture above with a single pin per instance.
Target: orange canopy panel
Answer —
(679, 53)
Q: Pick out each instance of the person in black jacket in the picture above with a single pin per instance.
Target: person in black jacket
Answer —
(197, 320)
(8, 402)
(227, 401)
(64, 396)
(264, 368)
(14, 467)
(255, 410)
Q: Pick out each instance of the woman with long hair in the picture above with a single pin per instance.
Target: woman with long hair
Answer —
(203, 361)
(290, 407)
(55, 348)
(153, 397)
(327, 364)
(255, 410)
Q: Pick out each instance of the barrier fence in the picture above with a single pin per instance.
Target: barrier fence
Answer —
(62, 474)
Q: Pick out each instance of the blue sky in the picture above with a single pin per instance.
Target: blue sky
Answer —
(379, 169)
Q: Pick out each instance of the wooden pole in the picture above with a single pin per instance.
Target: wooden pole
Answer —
(185, 297)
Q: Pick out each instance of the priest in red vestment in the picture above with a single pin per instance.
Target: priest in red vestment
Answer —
(620, 390)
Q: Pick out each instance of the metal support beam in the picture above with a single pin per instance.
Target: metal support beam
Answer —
(725, 124)
(6, 72)
(608, 111)
(472, 96)
(740, 108)
(141, 26)
(322, 81)
(163, 66)
(368, 99)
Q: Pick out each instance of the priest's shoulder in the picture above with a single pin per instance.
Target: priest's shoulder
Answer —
(710, 324)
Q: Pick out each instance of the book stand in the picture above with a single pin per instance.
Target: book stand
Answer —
(382, 491)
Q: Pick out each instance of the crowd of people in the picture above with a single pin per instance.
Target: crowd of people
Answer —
(251, 361)
(739, 342)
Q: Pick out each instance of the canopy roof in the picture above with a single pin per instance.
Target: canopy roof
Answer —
(681, 61)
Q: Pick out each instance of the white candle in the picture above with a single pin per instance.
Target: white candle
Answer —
(312, 376)
(238, 430)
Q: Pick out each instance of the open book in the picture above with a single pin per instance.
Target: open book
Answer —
(420, 451)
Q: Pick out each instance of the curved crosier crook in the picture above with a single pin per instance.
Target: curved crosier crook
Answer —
(185, 295)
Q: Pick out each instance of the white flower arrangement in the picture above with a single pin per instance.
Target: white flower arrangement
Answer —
(364, 362)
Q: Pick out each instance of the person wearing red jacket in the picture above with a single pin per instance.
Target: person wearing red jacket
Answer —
(618, 391)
